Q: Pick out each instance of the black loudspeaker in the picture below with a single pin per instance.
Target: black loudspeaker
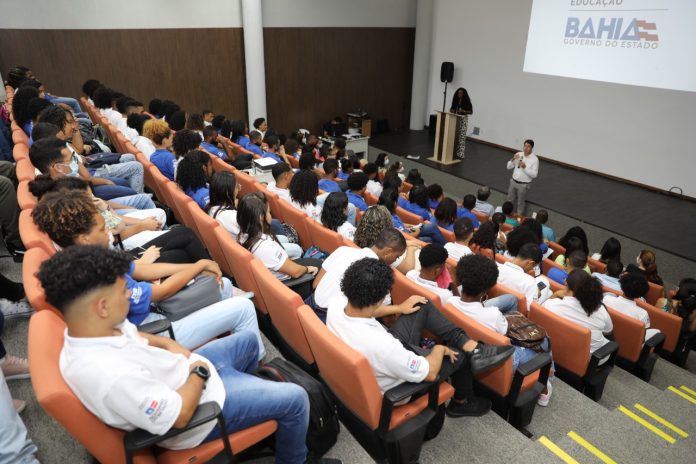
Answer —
(447, 71)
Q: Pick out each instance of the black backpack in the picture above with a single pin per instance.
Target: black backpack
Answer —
(323, 429)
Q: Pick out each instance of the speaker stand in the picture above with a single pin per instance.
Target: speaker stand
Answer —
(444, 98)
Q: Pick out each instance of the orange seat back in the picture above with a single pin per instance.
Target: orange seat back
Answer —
(207, 225)
(31, 236)
(32, 287)
(629, 333)
(246, 183)
(406, 187)
(297, 219)
(274, 203)
(655, 292)
(404, 288)
(181, 200)
(25, 198)
(669, 324)
(20, 152)
(283, 305)
(220, 165)
(557, 249)
(570, 342)
(25, 170)
(160, 181)
(326, 239)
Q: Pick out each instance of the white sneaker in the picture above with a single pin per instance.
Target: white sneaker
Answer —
(544, 398)
(14, 368)
(19, 405)
(239, 292)
(12, 309)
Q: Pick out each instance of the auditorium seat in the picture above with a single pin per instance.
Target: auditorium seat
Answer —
(570, 344)
(633, 354)
(386, 431)
(274, 203)
(206, 225)
(160, 184)
(25, 198)
(283, 306)
(180, 199)
(31, 236)
(20, 151)
(297, 219)
(24, 170)
(670, 325)
(655, 292)
(325, 239)
(408, 217)
(104, 443)
(246, 183)
(32, 287)
(557, 249)
(220, 165)
(20, 137)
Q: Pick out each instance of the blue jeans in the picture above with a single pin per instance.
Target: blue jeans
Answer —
(111, 192)
(430, 233)
(522, 355)
(250, 400)
(139, 201)
(504, 303)
(71, 102)
(15, 444)
(128, 170)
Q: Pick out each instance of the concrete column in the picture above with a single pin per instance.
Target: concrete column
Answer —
(421, 64)
(252, 22)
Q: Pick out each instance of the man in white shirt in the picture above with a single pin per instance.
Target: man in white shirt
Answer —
(395, 355)
(463, 231)
(282, 175)
(525, 166)
(513, 274)
(131, 380)
(633, 286)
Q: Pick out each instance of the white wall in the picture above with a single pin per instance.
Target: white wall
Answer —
(635, 133)
(163, 14)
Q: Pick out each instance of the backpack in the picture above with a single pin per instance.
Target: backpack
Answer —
(323, 429)
(525, 333)
(315, 252)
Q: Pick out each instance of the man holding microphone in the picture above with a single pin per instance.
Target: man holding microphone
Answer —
(525, 166)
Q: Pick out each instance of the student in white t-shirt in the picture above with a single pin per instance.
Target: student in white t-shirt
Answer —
(582, 304)
(433, 274)
(373, 185)
(254, 219)
(513, 274)
(282, 175)
(463, 231)
(131, 379)
(477, 275)
(633, 286)
(334, 215)
(304, 189)
(395, 355)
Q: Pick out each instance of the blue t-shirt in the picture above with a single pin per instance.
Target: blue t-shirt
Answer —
(416, 209)
(357, 200)
(268, 154)
(164, 160)
(396, 222)
(27, 127)
(213, 150)
(343, 175)
(140, 297)
(557, 275)
(463, 212)
(243, 141)
(449, 227)
(433, 204)
(201, 196)
(548, 233)
(255, 149)
(329, 185)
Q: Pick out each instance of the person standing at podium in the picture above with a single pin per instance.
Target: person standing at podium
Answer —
(525, 166)
(461, 105)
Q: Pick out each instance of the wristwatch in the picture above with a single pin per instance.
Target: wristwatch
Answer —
(201, 372)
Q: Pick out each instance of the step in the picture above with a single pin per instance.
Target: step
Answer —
(623, 387)
(666, 374)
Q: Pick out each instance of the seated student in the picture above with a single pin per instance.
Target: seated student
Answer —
(446, 214)
(682, 303)
(611, 278)
(127, 106)
(572, 244)
(328, 183)
(576, 260)
(209, 143)
(20, 107)
(240, 133)
(414, 177)
(275, 151)
(304, 188)
(500, 238)
(192, 176)
(482, 205)
(518, 237)
(542, 216)
(395, 355)
(181, 143)
(426, 232)
(103, 101)
(382, 162)
(357, 182)
(255, 141)
(208, 116)
(468, 204)
(611, 250)
(69, 218)
(194, 122)
(255, 234)
(261, 126)
(476, 275)
(435, 195)
(417, 202)
(575, 232)
(433, 274)
(633, 286)
(137, 122)
(177, 121)
(161, 136)
(535, 226)
(155, 108)
(507, 210)
(513, 275)
(292, 148)
(346, 169)
(283, 174)
(307, 161)
(373, 185)
(463, 233)
(89, 286)
(334, 214)
(647, 266)
(582, 304)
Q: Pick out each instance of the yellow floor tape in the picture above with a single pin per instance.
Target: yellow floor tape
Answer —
(668, 438)
(688, 390)
(682, 394)
(591, 448)
(662, 421)
(565, 457)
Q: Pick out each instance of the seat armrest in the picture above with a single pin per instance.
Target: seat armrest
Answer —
(402, 392)
(405, 390)
(656, 340)
(605, 351)
(300, 280)
(139, 438)
(611, 349)
(534, 364)
(157, 327)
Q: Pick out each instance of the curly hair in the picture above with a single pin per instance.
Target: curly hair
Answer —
(333, 213)
(65, 215)
(156, 130)
(431, 255)
(304, 188)
(357, 181)
(486, 235)
(476, 274)
(587, 290)
(446, 212)
(184, 141)
(55, 115)
(190, 174)
(367, 282)
(78, 270)
(20, 104)
(634, 285)
(374, 221)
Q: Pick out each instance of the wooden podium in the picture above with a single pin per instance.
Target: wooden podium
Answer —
(447, 135)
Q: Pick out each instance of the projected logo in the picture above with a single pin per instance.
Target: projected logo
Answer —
(611, 32)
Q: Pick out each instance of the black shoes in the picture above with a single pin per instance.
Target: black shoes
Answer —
(486, 357)
(473, 407)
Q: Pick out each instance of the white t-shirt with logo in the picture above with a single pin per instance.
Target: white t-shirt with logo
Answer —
(390, 361)
(444, 293)
(490, 316)
(281, 192)
(346, 230)
(313, 211)
(271, 253)
(514, 277)
(129, 384)
(457, 250)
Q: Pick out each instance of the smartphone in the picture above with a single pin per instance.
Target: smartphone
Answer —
(541, 286)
